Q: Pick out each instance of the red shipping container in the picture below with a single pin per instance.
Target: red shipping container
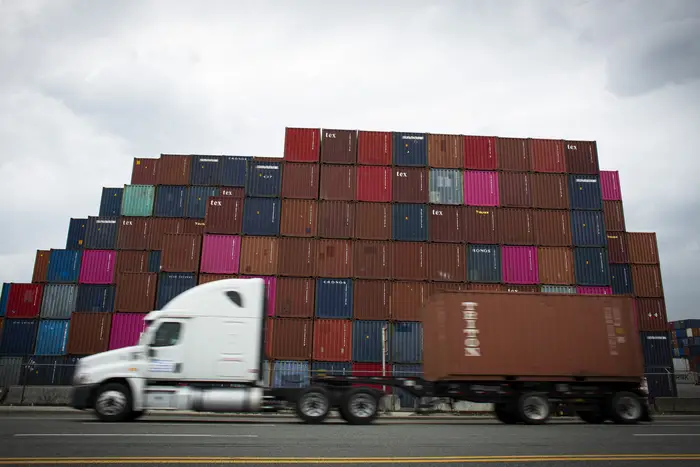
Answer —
(610, 185)
(290, 338)
(338, 146)
(581, 157)
(407, 298)
(548, 155)
(410, 185)
(369, 370)
(159, 226)
(41, 266)
(336, 219)
(181, 253)
(332, 340)
(372, 221)
(295, 297)
(133, 233)
(480, 153)
(136, 292)
(371, 300)
(447, 262)
(299, 218)
(374, 184)
(651, 314)
(617, 248)
(302, 144)
(24, 300)
(334, 258)
(300, 181)
(446, 224)
(410, 261)
(144, 172)
(372, 259)
(232, 192)
(224, 215)
(338, 182)
(220, 254)
(374, 148)
(174, 169)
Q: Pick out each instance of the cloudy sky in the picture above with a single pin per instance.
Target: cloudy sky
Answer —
(87, 85)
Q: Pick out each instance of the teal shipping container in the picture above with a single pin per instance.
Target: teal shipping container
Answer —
(566, 289)
(137, 200)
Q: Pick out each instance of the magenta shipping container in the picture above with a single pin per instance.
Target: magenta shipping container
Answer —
(520, 265)
(610, 185)
(271, 287)
(126, 329)
(220, 254)
(97, 267)
(594, 290)
(481, 188)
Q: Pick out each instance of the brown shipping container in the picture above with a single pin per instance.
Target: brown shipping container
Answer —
(647, 281)
(290, 338)
(300, 181)
(552, 228)
(295, 297)
(136, 292)
(436, 287)
(446, 151)
(614, 216)
(549, 191)
(547, 155)
(259, 256)
(447, 262)
(581, 157)
(372, 221)
(144, 172)
(334, 258)
(486, 287)
(131, 261)
(41, 266)
(513, 154)
(410, 261)
(371, 300)
(651, 314)
(513, 288)
(159, 226)
(407, 298)
(232, 192)
(410, 185)
(643, 248)
(514, 189)
(565, 336)
(555, 265)
(338, 182)
(297, 257)
(617, 248)
(224, 215)
(516, 226)
(372, 259)
(338, 146)
(133, 233)
(206, 278)
(446, 224)
(174, 170)
(336, 219)
(193, 226)
(299, 217)
(89, 333)
(181, 253)
(481, 224)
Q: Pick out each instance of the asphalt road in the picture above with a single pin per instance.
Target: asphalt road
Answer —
(73, 438)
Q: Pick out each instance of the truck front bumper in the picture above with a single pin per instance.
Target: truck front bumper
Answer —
(81, 398)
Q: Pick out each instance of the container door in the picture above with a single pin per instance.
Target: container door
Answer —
(166, 351)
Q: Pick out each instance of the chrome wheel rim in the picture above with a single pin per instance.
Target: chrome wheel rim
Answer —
(363, 406)
(111, 403)
(535, 408)
(314, 405)
(628, 408)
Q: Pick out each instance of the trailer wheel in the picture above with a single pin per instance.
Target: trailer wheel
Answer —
(626, 408)
(505, 413)
(313, 405)
(533, 408)
(113, 403)
(359, 406)
(595, 417)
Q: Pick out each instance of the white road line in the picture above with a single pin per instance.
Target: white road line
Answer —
(195, 423)
(666, 434)
(133, 435)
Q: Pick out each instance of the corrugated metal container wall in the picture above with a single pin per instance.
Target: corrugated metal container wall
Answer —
(484, 263)
(371, 299)
(132, 261)
(197, 197)
(170, 201)
(410, 261)
(514, 189)
(372, 221)
(75, 240)
(173, 169)
(594, 290)
(591, 266)
(336, 219)
(154, 261)
(302, 144)
(581, 157)
(101, 233)
(514, 154)
(288, 374)
(95, 298)
(410, 149)
(270, 291)
(4, 296)
(584, 192)
(259, 255)
(446, 151)
(410, 185)
(480, 153)
(41, 266)
(159, 227)
(59, 301)
(89, 333)
(374, 148)
(614, 215)
(24, 300)
(642, 248)
(446, 186)
(407, 298)
(547, 155)
(610, 185)
(206, 278)
(181, 253)
(18, 336)
(446, 224)
(520, 265)
(550, 191)
(10, 371)
(334, 298)
(657, 348)
(556, 265)
(98, 267)
(133, 233)
(516, 226)
(264, 179)
(481, 188)
(338, 182)
(291, 338)
(224, 215)
(261, 216)
(206, 170)
(621, 279)
(144, 172)
(367, 341)
(111, 202)
(406, 342)
(138, 201)
(331, 368)
(588, 228)
(52, 337)
(220, 254)
(234, 171)
(300, 181)
(170, 285)
(651, 314)
(338, 146)
(552, 228)
(64, 266)
(297, 257)
(481, 224)
(136, 292)
(565, 289)
(332, 340)
(299, 218)
(126, 329)
(521, 288)
(334, 258)
(617, 247)
(374, 184)
(372, 260)
(446, 263)
(647, 281)
(295, 297)
(409, 222)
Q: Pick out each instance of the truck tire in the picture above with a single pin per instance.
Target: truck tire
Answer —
(533, 408)
(595, 417)
(626, 408)
(313, 405)
(505, 413)
(113, 403)
(359, 406)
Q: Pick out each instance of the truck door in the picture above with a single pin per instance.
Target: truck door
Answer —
(166, 350)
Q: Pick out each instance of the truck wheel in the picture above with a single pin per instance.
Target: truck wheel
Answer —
(626, 408)
(359, 406)
(313, 405)
(113, 403)
(533, 408)
(505, 414)
(591, 416)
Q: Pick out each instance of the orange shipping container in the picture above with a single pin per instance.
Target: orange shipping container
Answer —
(371, 300)
(556, 265)
(447, 262)
(181, 253)
(332, 340)
(614, 216)
(407, 298)
(41, 266)
(334, 258)
(299, 217)
(372, 221)
(290, 338)
(516, 226)
(295, 297)
(481, 224)
(646, 280)
(336, 219)
(513, 154)
(410, 261)
(552, 228)
(297, 257)
(89, 333)
(446, 151)
(372, 260)
(259, 256)
(549, 191)
(642, 248)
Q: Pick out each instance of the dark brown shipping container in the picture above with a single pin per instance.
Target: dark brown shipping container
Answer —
(159, 226)
(290, 338)
(259, 256)
(447, 262)
(556, 265)
(446, 151)
(513, 154)
(552, 228)
(41, 266)
(334, 258)
(372, 221)
(336, 219)
(486, 287)
(338, 146)
(565, 336)
(174, 169)
(371, 300)
(646, 279)
(372, 259)
(407, 298)
(299, 218)
(89, 333)
(514, 288)
(136, 292)
(410, 185)
(232, 192)
(516, 226)
(144, 172)
(614, 216)
(181, 253)
(651, 314)
(131, 261)
(549, 191)
(206, 278)
(224, 215)
(514, 189)
(581, 157)
(643, 248)
(133, 233)
(436, 287)
(295, 297)
(297, 257)
(193, 226)
(338, 182)
(481, 224)
(446, 224)
(547, 155)
(617, 248)
(300, 181)
(410, 261)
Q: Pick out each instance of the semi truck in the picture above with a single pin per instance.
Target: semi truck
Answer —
(527, 354)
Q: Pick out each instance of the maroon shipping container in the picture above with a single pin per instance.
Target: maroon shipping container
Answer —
(556, 265)
(481, 224)
(374, 183)
(581, 157)
(552, 228)
(299, 218)
(133, 233)
(407, 298)
(516, 226)
(300, 181)
(338, 146)
(480, 153)
(89, 333)
(371, 300)
(159, 226)
(617, 248)
(131, 261)
(336, 219)
(447, 262)
(41, 266)
(372, 259)
(174, 169)
(565, 336)
(290, 338)
(224, 215)
(410, 185)
(446, 224)
(193, 226)
(206, 278)
(513, 154)
(136, 292)
(372, 221)
(614, 216)
(232, 192)
(332, 340)
(181, 253)
(647, 281)
(651, 314)
(334, 258)
(259, 256)
(446, 151)
(642, 248)
(338, 182)
(410, 261)
(144, 172)
(297, 257)
(374, 148)
(24, 300)
(302, 144)
(514, 189)
(549, 191)
(295, 297)
(548, 155)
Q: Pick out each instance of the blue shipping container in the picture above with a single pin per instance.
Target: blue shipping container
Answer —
(18, 337)
(290, 374)
(154, 261)
(261, 216)
(591, 266)
(661, 382)
(409, 222)
(403, 370)
(206, 170)
(52, 338)
(331, 369)
(49, 371)
(64, 266)
(484, 263)
(172, 284)
(197, 197)
(565, 289)
(410, 149)
(75, 240)
(657, 349)
(367, 341)
(234, 170)
(111, 203)
(101, 233)
(170, 201)
(264, 179)
(621, 279)
(446, 186)
(59, 301)
(96, 298)
(4, 294)
(584, 192)
(334, 298)
(588, 228)
(407, 342)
